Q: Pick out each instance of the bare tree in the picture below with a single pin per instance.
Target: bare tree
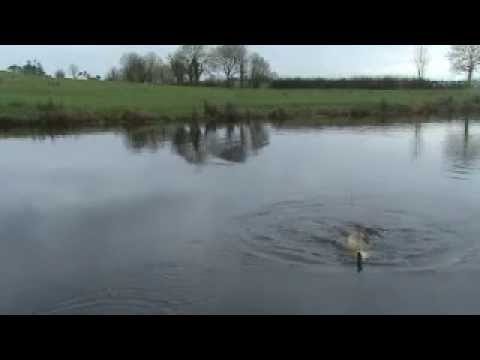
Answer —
(197, 59)
(465, 59)
(148, 68)
(259, 70)
(228, 58)
(165, 74)
(178, 66)
(421, 60)
(133, 67)
(73, 69)
(243, 64)
(153, 64)
(113, 75)
(60, 74)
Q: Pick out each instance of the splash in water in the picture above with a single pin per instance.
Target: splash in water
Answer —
(323, 233)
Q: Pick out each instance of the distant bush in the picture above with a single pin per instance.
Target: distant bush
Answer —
(130, 117)
(195, 116)
(381, 83)
(210, 110)
(231, 112)
(278, 114)
(60, 74)
(30, 68)
(446, 105)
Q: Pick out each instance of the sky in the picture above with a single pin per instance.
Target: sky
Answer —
(286, 60)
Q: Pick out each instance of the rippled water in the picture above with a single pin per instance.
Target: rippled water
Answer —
(245, 218)
(306, 232)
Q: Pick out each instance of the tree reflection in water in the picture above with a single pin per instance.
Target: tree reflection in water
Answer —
(196, 143)
(152, 138)
(417, 141)
(233, 143)
(462, 151)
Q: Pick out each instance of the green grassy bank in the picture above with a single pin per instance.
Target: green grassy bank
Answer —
(34, 99)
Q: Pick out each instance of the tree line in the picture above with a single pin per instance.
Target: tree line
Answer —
(34, 67)
(463, 59)
(234, 64)
(194, 65)
(30, 68)
(229, 65)
(364, 82)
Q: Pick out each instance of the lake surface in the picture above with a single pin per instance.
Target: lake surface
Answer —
(244, 219)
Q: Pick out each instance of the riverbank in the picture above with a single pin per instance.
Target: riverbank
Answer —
(31, 100)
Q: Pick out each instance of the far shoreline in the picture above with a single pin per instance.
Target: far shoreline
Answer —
(230, 113)
(32, 101)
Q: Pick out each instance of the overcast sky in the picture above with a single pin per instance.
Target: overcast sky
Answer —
(286, 60)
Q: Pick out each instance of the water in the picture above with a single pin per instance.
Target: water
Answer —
(243, 219)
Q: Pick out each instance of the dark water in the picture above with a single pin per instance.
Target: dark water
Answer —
(244, 219)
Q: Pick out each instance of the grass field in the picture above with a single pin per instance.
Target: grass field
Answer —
(27, 97)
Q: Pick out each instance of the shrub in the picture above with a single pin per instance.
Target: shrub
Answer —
(278, 114)
(231, 112)
(210, 110)
(60, 74)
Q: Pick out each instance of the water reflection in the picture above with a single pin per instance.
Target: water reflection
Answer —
(159, 236)
(417, 141)
(197, 143)
(152, 138)
(235, 142)
(462, 151)
(189, 143)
